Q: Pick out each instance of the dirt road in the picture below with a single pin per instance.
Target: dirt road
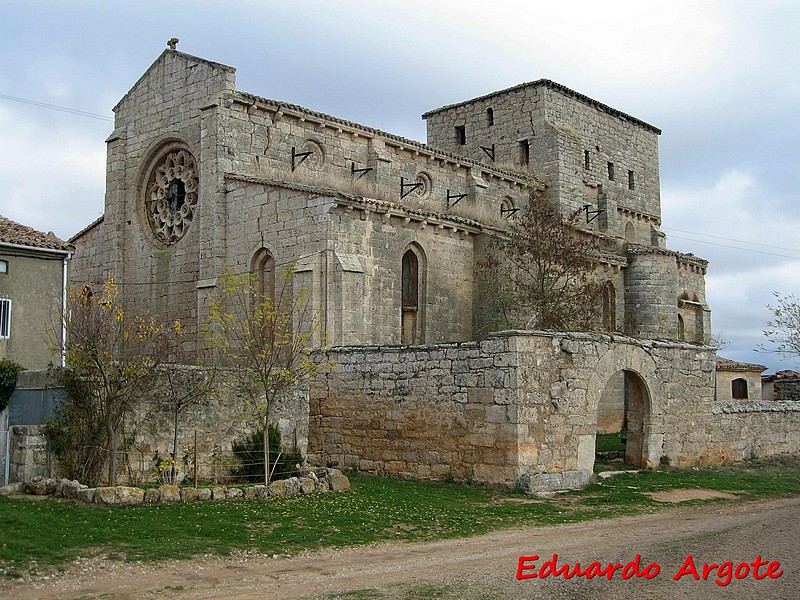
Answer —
(482, 567)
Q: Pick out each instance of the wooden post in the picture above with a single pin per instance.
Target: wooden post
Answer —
(195, 459)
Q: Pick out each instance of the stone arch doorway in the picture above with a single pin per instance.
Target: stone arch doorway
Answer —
(623, 408)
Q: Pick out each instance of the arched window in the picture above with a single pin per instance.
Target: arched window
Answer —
(681, 329)
(410, 281)
(411, 298)
(490, 117)
(630, 232)
(609, 307)
(262, 269)
(739, 389)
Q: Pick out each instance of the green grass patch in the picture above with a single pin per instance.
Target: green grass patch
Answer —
(610, 442)
(50, 532)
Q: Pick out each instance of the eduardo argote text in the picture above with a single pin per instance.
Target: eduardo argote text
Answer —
(530, 567)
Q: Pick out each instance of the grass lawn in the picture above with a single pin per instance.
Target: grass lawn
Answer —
(44, 533)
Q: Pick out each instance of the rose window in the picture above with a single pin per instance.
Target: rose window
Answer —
(172, 195)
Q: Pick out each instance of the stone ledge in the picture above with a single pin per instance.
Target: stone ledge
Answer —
(319, 480)
(754, 406)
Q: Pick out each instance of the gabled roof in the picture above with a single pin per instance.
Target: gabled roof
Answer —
(12, 232)
(174, 53)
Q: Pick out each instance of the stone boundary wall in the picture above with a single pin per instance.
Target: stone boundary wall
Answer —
(520, 408)
(427, 411)
(748, 430)
(218, 423)
(517, 409)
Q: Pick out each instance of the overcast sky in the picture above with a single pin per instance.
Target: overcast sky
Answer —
(720, 79)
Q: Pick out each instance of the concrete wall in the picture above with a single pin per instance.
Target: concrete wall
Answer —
(34, 285)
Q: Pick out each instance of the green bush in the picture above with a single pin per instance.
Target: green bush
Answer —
(76, 431)
(8, 380)
(251, 456)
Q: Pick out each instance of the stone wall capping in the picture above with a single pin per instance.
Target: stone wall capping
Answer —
(600, 337)
(755, 406)
(689, 259)
(206, 283)
(117, 134)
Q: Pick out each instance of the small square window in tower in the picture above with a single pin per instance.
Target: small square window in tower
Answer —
(461, 135)
(586, 162)
(631, 181)
(524, 153)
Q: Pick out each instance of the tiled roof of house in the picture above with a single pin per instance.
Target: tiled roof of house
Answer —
(782, 376)
(12, 232)
(726, 364)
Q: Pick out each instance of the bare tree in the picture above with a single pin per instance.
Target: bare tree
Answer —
(265, 338)
(783, 330)
(539, 274)
(113, 358)
(184, 386)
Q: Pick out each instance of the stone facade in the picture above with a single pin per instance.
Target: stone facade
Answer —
(586, 152)
(248, 184)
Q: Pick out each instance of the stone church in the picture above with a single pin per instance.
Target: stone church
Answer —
(202, 177)
(386, 233)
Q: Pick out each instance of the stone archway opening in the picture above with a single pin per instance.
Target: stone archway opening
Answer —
(621, 418)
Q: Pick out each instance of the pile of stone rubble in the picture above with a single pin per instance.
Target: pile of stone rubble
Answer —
(313, 480)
